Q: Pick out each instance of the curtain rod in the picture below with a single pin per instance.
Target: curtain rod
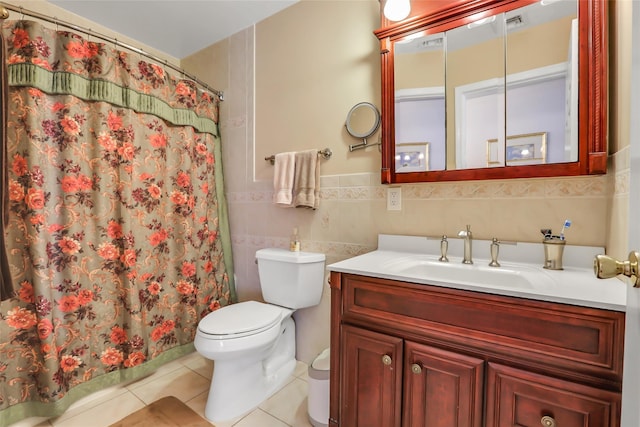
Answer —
(4, 14)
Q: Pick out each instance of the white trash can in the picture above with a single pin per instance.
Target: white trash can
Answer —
(318, 398)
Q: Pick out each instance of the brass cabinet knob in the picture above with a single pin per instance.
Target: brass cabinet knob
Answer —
(416, 369)
(548, 421)
(606, 267)
(386, 360)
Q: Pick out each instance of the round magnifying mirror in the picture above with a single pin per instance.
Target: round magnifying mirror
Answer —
(363, 120)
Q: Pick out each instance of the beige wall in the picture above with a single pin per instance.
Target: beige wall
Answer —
(302, 97)
(314, 61)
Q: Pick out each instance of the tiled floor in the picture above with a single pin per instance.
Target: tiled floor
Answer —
(187, 379)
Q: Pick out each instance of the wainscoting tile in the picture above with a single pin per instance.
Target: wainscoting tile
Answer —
(520, 188)
(330, 181)
(577, 187)
(621, 185)
(355, 180)
(329, 193)
(356, 193)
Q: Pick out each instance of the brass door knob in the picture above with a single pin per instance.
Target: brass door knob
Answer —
(386, 360)
(416, 369)
(548, 421)
(606, 267)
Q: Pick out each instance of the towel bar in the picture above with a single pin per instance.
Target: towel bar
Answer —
(326, 154)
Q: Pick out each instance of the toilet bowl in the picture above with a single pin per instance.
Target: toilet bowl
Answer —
(252, 343)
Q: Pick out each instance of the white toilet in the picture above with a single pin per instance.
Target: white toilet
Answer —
(252, 343)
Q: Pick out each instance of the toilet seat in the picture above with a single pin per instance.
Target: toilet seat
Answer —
(240, 320)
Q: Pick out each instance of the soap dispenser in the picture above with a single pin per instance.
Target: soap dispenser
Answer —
(294, 244)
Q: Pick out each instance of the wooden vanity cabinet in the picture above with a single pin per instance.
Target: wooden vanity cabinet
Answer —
(373, 368)
(410, 355)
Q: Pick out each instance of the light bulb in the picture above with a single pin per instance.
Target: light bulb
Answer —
(397, 10)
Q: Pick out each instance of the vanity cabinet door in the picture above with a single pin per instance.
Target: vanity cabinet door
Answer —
(519, 398)
(442, 388)
(371, 378)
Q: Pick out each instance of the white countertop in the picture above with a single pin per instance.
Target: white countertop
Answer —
(576, 284)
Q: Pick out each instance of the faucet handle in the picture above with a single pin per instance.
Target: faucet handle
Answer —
(444, 246)
(465, 233)
(495, 248)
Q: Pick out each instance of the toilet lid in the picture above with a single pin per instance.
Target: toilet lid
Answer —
(242, 318)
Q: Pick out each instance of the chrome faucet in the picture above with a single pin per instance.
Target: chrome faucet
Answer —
(468, 240)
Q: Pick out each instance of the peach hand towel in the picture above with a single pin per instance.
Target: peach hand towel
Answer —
(306, 186)
(283, 179)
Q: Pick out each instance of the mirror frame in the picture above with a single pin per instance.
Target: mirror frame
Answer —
(433, 17)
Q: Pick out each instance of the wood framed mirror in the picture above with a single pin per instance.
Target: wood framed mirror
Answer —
(495, 89)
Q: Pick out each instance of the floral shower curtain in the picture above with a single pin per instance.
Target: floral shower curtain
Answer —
(117, 236)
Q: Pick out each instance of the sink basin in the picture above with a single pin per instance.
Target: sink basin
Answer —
(520, 277)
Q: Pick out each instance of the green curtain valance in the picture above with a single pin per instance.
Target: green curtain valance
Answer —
(65, 83)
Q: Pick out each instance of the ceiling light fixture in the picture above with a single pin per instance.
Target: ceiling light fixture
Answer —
(397, 10)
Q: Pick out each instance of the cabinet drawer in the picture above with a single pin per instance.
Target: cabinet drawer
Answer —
(578, 343)
(519, 398)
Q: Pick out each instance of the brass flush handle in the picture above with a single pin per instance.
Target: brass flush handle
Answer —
(606, 267)
(548, 421)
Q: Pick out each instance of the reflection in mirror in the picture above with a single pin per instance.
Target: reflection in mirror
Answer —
(419, 80)
(362, 121)
(542, 77)
(475, 91)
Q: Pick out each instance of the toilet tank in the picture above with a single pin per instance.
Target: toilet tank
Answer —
(290, 279)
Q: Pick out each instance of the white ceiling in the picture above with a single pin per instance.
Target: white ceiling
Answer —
(175, 27)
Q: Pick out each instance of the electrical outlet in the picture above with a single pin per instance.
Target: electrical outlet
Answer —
(394, 199)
